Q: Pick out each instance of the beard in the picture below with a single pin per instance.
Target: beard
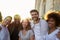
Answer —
(35, 18)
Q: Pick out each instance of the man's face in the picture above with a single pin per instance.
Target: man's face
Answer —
(17, 21)
(7, 21)
(34, 16)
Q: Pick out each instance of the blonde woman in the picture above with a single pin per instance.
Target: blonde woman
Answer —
(26, 32)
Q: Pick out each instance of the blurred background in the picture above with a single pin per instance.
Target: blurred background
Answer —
(22, 7)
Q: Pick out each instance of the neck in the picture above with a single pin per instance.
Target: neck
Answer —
(37, 21)
(51, 29)
(24, 28)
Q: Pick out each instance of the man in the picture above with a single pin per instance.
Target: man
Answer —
(4, 33)
(39, 26)
(15, 27)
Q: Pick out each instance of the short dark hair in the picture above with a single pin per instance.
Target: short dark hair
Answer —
(9, 17)
(55, 16)
(34, 10)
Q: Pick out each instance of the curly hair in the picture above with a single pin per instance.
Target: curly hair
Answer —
(55, 16)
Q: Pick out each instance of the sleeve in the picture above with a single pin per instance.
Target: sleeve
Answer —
(31, 33)
(44, 27)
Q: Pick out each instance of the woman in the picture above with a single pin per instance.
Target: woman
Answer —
(4, 33)
(53, 22)
(26, 33)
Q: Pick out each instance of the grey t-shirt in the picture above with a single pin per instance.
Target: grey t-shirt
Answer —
(27, 36)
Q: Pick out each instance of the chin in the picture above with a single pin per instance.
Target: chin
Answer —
(34, 19)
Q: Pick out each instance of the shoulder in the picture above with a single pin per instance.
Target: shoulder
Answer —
(30, 31)
(44, 24)
(31, 22)
(43, 20)
(20, 31)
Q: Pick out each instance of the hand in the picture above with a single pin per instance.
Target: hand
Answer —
(58, 35)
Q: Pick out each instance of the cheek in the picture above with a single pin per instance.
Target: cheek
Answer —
(51, 24)
(6, 22)
(35, 16)
(24, 24)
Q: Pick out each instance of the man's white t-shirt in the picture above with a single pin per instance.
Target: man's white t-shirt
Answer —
(40, 29)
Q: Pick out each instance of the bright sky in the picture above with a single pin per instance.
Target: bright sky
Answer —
(12, 7)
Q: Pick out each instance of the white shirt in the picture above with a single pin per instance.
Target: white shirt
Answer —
(40, 29)
(4, 33)
(52, 36)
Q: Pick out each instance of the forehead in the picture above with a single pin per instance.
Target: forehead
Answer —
(34, 13)
(50, 19)
(8, 18)
(25, 21)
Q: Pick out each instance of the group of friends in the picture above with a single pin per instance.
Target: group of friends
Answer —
(35, 29)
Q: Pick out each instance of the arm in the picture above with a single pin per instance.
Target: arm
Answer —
(58, 35)
(32, 37)
(44, 28)
(19, 38)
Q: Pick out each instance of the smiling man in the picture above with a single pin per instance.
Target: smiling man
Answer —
(39, 26)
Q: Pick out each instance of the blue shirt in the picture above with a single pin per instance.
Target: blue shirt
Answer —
(4, 33)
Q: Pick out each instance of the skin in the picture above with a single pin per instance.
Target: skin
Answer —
(35, 17)
(6, 21)
(58, 35)
(24, 31)
(51, 24)
(17, 21)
